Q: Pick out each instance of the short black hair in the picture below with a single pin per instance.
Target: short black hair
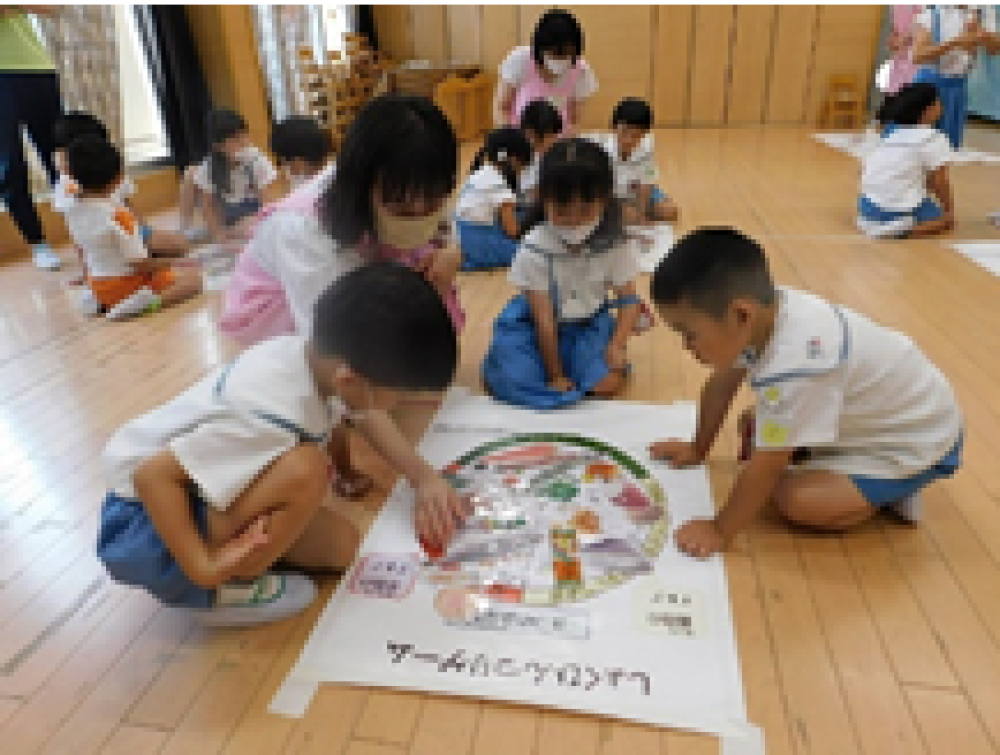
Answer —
(709, 268)
(502, 144)
(94, 163)
(557, 31)
(303, 138)
(221, 124)
(634, 112)
(907, 106)
(541, 118)
(403, 143)
(74, 124)
(390, 325)
(580, 169)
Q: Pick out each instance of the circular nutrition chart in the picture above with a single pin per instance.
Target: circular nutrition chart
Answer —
(557, 518)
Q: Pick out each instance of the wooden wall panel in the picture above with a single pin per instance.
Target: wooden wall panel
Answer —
(713, 28)
(464, 24)
(500, 34)
(846, 40)
(395, 36)
(673, 35)
(747, 95)
(791, 62)
(527, 17)
(430, 36)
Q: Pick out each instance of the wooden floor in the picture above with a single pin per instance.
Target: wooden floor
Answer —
(884, 641)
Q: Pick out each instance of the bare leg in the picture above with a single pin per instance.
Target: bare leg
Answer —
(188, 198)
(664, 211)
(610, 386)
(350, 482)
(930, 228)
(289, 493)
(332, 538)
(167, 244)
(187, 284)
(822, 500)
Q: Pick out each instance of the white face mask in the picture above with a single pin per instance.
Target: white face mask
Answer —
(405, 233)
(295, 180)
(578, 234)
(246, 154)
(557, 66)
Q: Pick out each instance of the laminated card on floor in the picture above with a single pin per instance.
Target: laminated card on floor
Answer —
(564, 589)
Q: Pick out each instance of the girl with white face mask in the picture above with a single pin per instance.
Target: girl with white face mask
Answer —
(232, 183)
(551, 69)
(383, 200)
(557, 341)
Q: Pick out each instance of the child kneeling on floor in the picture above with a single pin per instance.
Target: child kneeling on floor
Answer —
(211, 489)
(869, 420)
(123, 278)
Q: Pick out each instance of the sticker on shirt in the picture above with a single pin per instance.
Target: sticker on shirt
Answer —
(773, 433)
(771, 397)
(384, 575)
(659, 609)
(814, 348)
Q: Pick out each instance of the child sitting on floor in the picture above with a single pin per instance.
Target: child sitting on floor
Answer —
(909, 167)
(72, 125)
(557, 341)
(122, 277)
(542, 124)
(630, 145)
(232, 183)
(208, 491)
(486, 214)
(852, 417)
(302, 150)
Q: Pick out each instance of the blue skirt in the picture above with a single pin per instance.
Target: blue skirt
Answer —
(485, 246)
(513, 369)
(953, 91)
(134, 554)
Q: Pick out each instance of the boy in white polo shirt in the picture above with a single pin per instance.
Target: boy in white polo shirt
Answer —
(869, 419)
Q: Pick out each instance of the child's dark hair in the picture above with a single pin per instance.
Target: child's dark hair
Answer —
(557, 31)
(94, 162)
(501, 145)
(301, 137)
(633, 112)
(74, 124)
(709, 268)
(908, 105)
(541, 118)
(579, 169)
(390, 325)
(405, 145)
(222, 124)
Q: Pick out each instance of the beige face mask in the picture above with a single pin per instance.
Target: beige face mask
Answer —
(405, 233)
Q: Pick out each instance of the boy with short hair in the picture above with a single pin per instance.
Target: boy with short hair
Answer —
(209, 490)
(122, 277)
(630, 145)
(866, 414)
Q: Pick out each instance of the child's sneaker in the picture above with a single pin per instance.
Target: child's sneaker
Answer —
(141, 301)
(269, 598)
(910, 508)
(84, 301)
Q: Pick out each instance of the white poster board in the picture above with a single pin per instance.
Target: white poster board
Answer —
(859, 143)
(659, 649)
(986, 254)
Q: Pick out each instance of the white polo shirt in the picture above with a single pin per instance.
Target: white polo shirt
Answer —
(246, 177)
(107, 244)
(582, 278)
(639, 169)
(894, 173)
(863, 398)
(231, 425)
(482, 195)
(66, 190)
(516, 69)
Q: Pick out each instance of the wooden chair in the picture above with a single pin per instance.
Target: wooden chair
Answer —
(844, 104)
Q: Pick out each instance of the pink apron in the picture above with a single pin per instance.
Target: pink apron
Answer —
(903, 68)
(559, 93)
(255, 306)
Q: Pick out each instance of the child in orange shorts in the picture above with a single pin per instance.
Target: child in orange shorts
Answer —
(121, 274)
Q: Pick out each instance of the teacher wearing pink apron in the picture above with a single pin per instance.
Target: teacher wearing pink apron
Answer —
(900, 42)
(550, 69)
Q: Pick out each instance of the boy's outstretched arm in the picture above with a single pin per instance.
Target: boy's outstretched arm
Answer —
(705, 537)
(439, 509)
(716, 397)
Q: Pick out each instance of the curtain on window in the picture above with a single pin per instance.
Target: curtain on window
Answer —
(82, 42)
(282, 30)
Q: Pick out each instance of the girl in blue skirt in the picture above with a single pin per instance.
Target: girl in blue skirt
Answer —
(486, 215)
(557, 340)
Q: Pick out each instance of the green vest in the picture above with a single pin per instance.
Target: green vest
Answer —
(20, 48)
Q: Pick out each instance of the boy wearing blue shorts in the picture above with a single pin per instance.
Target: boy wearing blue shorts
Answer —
(851, 417)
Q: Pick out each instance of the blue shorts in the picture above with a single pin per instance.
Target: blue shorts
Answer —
(880, 492)
(656, 196)
(133, 552)
(878, 222)
(145, 232)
